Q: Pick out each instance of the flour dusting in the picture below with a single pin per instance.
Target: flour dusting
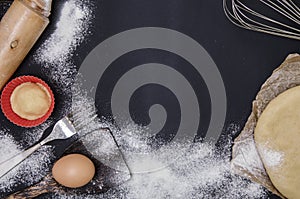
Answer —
(8, 147)
(170, 171)
(28, 172)
(174, 170)
(56, 53)
(271, 158)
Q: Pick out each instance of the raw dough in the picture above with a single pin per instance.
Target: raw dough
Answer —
(30, 101)
(278, 131)
(246, 161)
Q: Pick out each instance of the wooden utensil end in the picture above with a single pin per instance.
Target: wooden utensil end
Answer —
(20, 28)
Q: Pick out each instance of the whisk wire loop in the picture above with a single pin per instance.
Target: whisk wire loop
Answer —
(244, 16)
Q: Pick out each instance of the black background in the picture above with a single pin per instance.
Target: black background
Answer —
(245, 58)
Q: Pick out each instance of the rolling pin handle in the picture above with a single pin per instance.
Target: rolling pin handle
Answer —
(20, 28)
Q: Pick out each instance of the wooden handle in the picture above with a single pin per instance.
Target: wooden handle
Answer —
(47, 185)
(20, 28)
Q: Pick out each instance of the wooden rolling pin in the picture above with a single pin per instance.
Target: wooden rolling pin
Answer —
(20, 28)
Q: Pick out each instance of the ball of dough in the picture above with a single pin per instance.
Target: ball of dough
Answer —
(30, 101)
(277, 137)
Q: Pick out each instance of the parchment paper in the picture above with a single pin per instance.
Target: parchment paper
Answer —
(245, 158)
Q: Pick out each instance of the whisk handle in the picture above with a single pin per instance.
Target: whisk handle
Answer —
(11, 163)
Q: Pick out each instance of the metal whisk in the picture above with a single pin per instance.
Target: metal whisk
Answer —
(276, 17)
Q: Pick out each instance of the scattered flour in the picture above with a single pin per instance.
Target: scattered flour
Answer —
(33, 135)
(176, 170)
(8, 147)
(200, 173)
(194, 173)
(70, 31)
(248, 157)
(30, 171)
(271, 158)
(84, 112)
(56, 53)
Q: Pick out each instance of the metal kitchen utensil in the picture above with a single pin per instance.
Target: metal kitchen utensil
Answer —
(276, 17)
(62, 129)
(111, 169)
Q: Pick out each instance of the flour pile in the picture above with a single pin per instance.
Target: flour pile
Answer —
(194, 171)
(175, 170)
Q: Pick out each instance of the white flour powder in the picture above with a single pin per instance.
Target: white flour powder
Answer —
(31, 136)
(248, 157)
(8, 146)
(56, 53)
(174, 171)
(198, 173)
(194, 173)
(30, 171)
(177, 170)
(271, 158)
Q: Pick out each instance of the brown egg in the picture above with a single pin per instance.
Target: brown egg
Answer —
(73, 171)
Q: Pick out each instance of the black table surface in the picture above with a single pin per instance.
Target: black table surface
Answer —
(244, 58)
